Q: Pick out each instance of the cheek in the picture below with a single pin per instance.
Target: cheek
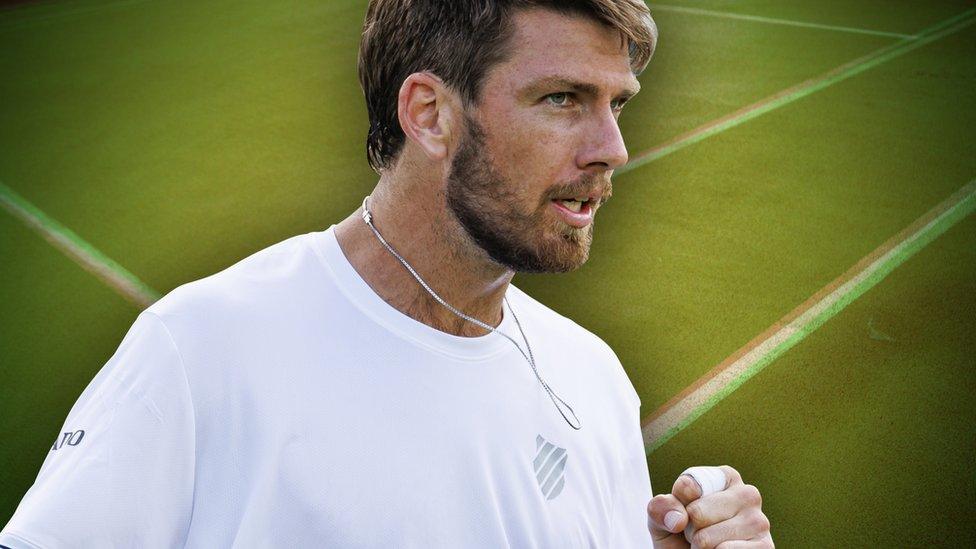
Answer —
(534, 158)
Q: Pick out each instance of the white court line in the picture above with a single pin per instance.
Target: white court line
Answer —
(774, 21)
(84, 254)
(682, 410)
(688, 405)
(801, 90)
(133, 289)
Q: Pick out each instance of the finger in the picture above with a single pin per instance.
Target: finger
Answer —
(744, 526)
(686, 489)
(746, 544)
(697, 482)
(733, 477)
(715, 508)
(665, 516)
(762, 542)
(713, 479)
(673, 541)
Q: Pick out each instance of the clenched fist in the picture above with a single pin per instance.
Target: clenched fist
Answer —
(709, 507)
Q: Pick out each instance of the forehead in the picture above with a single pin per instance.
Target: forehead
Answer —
(546, 43)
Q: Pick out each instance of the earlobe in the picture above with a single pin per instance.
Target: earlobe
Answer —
(423, 109)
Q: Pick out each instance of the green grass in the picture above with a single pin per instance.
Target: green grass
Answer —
(59, 325)
(718, 241)
(190, 124)
(902, 16)
(178, 138)
(862, 435)
(705, 68)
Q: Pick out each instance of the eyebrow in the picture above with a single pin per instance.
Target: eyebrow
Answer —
(563, 83)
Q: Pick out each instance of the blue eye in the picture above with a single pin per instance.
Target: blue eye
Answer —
(560, 99)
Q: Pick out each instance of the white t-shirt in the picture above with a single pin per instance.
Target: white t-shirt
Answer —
(281, 402)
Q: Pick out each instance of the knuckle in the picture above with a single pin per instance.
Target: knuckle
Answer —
(733, 475)
(701, 539)
(664, 504)
(752, 495)
(658, 503)
(764, 524)
(759, 522)
(685, 486)
(695, 514)
(683, 482)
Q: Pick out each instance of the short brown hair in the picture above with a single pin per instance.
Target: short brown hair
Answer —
(459, 41)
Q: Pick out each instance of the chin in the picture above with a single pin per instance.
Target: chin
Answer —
(570, 261)
(565, 252)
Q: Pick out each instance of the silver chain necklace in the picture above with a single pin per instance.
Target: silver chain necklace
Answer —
(368, 218)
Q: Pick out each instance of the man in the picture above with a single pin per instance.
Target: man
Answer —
(381, 383)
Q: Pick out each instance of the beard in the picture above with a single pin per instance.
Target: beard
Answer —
(489, 208)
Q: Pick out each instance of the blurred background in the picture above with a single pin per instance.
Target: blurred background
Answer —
(792, 237)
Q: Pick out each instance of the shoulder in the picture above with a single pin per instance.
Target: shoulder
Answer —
(241, 323)
(271, 276)
(264, 302)
(563, 332)
(556, 325)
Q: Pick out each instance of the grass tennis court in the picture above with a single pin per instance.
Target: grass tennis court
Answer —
(774, 145)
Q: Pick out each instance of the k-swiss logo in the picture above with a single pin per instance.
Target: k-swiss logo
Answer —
(550, 461)
(71, 438)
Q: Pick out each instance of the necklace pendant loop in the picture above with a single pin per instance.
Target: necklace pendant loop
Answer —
(367, 217)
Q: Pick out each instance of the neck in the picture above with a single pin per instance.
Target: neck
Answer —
(416, 222)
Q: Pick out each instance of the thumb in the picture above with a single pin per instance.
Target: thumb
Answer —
(666, 519)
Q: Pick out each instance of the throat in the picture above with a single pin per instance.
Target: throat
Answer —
(460, 316)
(431, 287)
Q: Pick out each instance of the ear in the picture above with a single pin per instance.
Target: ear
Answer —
(425, 109)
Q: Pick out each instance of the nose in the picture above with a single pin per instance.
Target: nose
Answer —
(603, 145)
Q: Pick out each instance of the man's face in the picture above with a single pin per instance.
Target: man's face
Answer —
(545, 133)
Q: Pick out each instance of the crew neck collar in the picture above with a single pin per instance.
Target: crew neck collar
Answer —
(361, 295)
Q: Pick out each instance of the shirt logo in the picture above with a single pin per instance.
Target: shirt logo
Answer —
(70, 438)
(550, 461)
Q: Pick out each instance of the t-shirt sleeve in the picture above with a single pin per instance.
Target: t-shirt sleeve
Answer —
(633, 491)
(120, 473)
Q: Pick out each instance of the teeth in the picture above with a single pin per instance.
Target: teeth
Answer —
(573, 205)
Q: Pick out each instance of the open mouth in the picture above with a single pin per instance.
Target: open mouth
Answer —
(576, 212)
(575, 204)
